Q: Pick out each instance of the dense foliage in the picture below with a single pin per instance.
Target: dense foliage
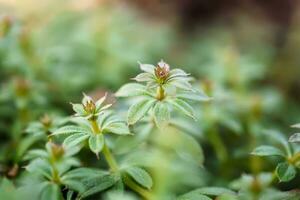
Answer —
(215, 128)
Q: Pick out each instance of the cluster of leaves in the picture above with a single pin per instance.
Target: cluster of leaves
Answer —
(138, 157)
(286, 170)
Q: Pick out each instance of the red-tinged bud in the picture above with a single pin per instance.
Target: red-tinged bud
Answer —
(162, 70)
(57, 150)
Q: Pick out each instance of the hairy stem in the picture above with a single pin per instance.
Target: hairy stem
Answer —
(110, 159)
(160, 93)
(113, 165)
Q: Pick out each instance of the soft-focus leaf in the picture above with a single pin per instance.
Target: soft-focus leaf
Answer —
(98, 184)
(161, 114)
(295, 138)
(51, 192)
(75, 139)
(214, 191)
(71, 129)
(140, 176)
(183, 107)
(267, 151)
(96, 143)
(285, 172)
(139, 110)
(131, 89)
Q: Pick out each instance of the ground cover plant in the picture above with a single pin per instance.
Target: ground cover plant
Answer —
(97, 102)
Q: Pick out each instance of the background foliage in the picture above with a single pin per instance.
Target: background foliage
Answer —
(52, 51)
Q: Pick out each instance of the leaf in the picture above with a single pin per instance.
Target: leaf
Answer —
(99, 102)
(285, 172)
(75, 139)
(117, 128)
(267, 151)
(295, 138)
(161, 114)
(96, 143)
(35, 154)
(78, 108)
(214, 191)
(144, 77)
(40, 166)
(140, 176)
(193, 196)
(296, 125)
(130, 90)
(147, 68)
(183, 107)
(51, 192)
(98, 184)
(71, 129)
(70, 195)
(194, 96)
(74, 179)
(139, 110)
(188, 148)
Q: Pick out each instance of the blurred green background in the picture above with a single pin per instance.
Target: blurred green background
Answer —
(242, 53)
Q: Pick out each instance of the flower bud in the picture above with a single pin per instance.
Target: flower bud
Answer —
(88, 104)
(57, 150)
(162, 70)
(46, 121)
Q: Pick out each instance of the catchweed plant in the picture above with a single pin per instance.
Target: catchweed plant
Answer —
(289, 155)
(94, 122)
(164, 89)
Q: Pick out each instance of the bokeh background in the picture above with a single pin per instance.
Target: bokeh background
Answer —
(243, 53)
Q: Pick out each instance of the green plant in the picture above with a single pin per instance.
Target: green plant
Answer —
(289, 157)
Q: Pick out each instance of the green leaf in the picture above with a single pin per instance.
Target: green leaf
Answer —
(147, 68)
(194, 96)
(183, 107)
(161, 114)
(193, 196)
(71, 129)
(296, 125)
(144, 77)
(96, 143)
(51, 192)
(188, 148)
(285, 172)
(131, 89)
(75, 139)
(98, 184)
(40, 166)
(267, 151)
(295, 138)
(117, 128)
(78, 108)
(140, 176)
(139, 110)
(214, 191)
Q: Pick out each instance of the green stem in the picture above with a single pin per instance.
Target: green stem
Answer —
(218, 145)
(135, 187)
(295, 158)
(95, 126)
(113, 165)
(160, 93)
(110, 159)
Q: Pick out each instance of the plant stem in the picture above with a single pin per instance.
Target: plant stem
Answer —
(135, 187)
(160, 93)
(95, 126)
(295, 158)
(113, 165)
(110, 159)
